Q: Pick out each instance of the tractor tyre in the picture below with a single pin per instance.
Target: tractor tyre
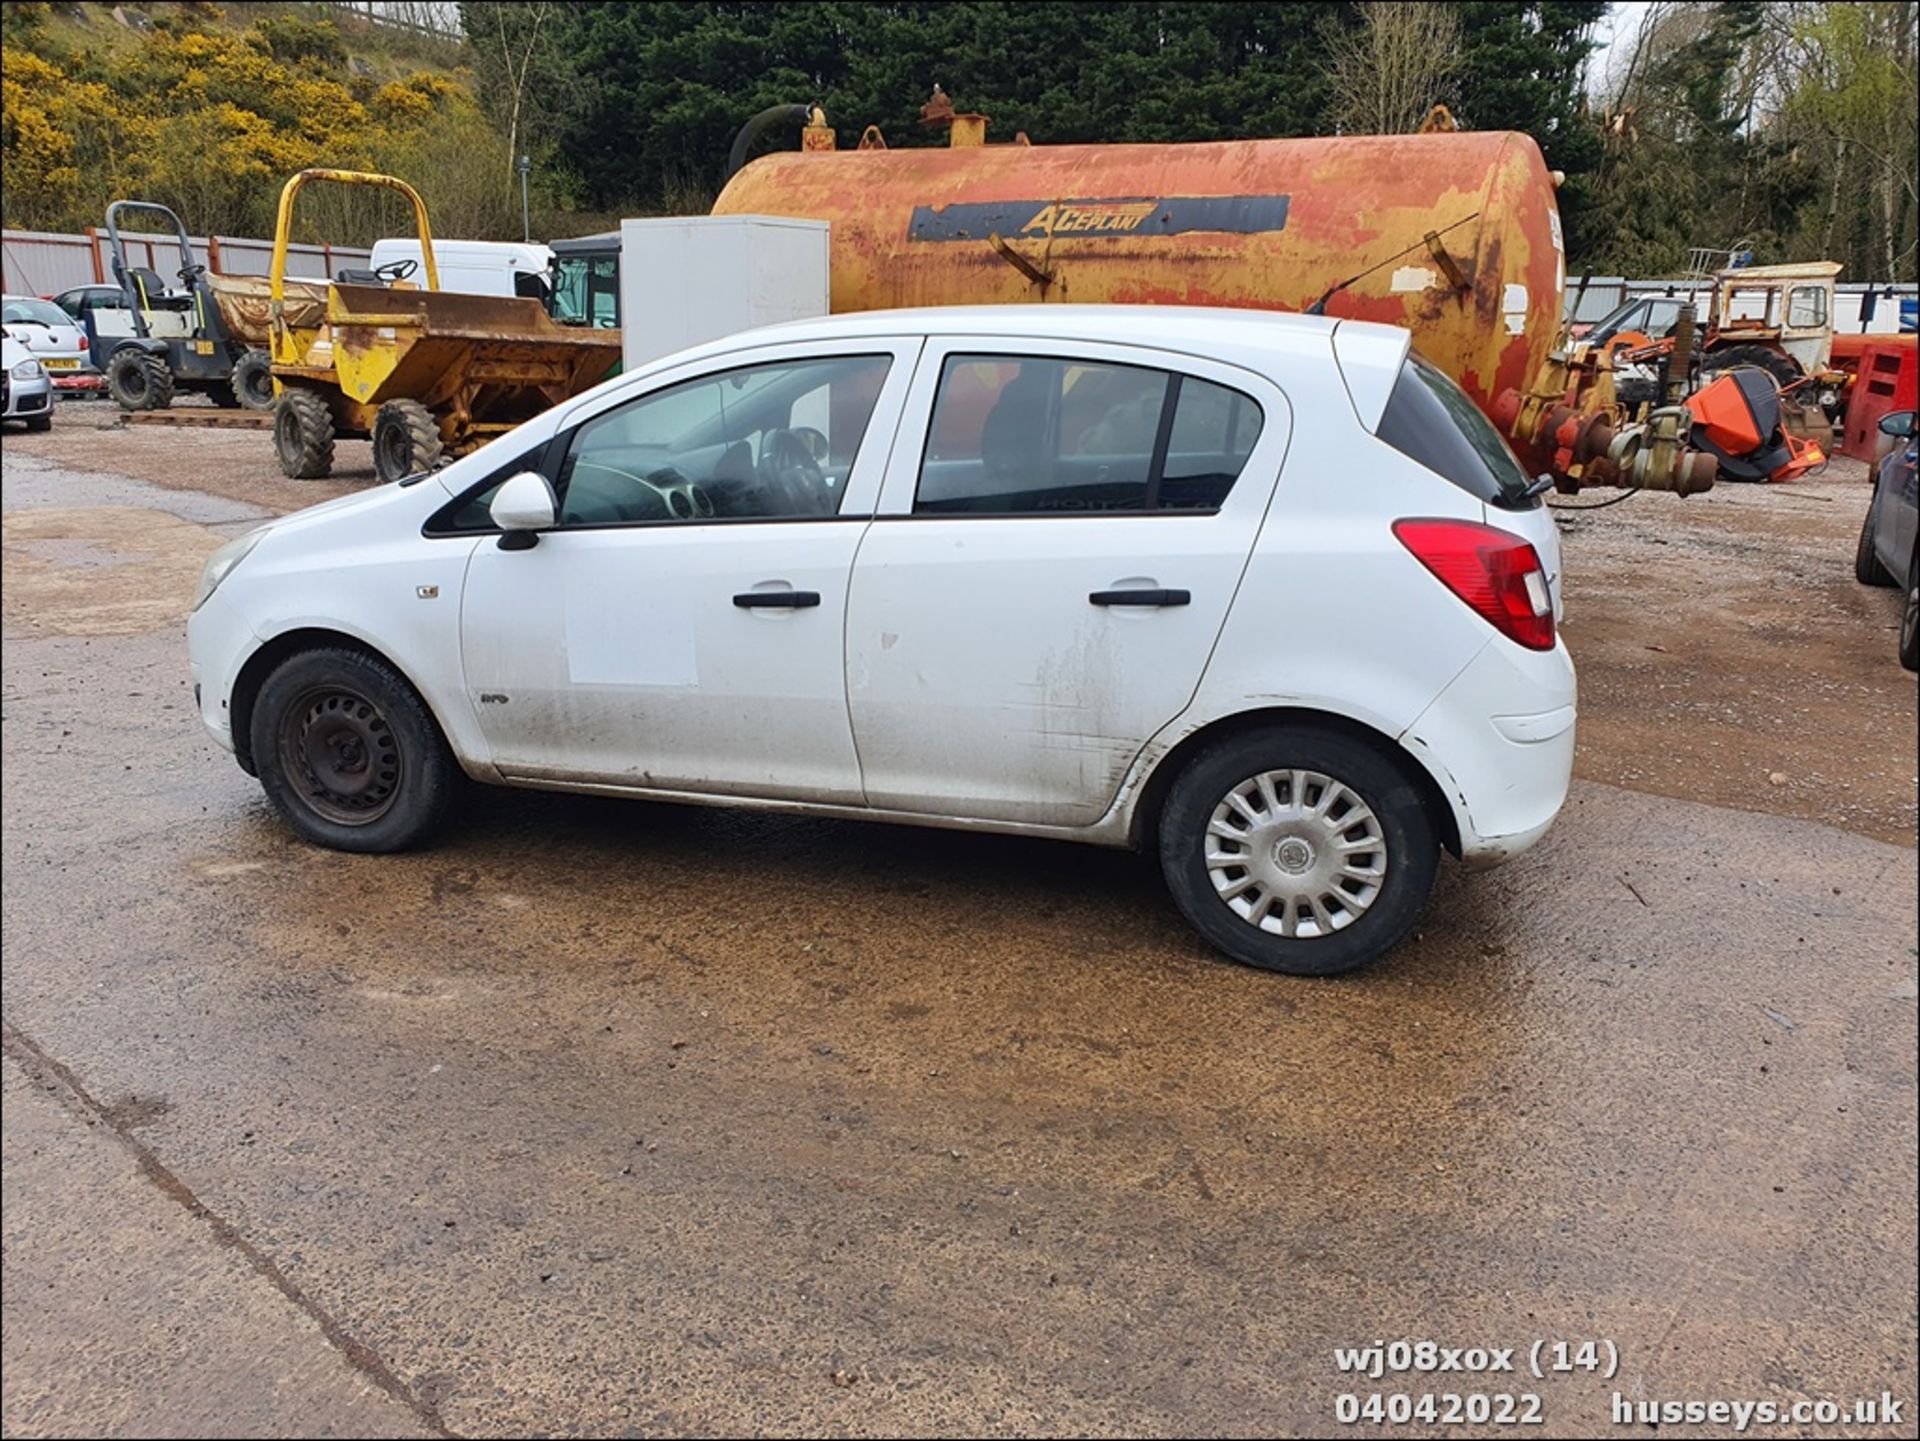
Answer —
(221, 394)
(252, 380)
(303, 435)
(139, 380)
(1782, 368)
(406, 440)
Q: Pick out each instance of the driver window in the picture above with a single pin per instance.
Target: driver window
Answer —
(765, 442)
(1807, 307)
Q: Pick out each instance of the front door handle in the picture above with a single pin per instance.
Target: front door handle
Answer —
(777, 599)
(1141, 597)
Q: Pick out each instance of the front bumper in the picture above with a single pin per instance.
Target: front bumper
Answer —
(219, 641)
(1499, 740)
(27, 397)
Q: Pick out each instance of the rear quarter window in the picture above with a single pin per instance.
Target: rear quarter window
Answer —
(1429, 419)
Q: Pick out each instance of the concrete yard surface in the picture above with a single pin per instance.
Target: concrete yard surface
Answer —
(608, 1118)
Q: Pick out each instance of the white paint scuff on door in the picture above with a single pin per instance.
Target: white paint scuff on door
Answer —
(607, 644)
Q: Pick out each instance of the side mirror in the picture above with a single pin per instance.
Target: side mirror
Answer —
(1898, 424)
(524, 504)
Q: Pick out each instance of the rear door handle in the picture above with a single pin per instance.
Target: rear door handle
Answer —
(777, 599)
(1141, 597)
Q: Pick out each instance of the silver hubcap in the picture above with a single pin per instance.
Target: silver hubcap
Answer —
(1296, 853)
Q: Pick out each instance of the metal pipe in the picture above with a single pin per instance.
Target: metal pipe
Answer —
(773, 115)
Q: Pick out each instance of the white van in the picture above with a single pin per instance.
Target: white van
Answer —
(476, 267)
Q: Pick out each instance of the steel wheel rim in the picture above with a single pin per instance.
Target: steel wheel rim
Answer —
(1296, 853)
(341, 756)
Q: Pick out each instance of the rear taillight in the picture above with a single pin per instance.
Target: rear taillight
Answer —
(83, 340)
(1494, 571)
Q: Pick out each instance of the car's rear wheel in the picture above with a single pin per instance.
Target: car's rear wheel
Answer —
(1866, 565)
(349, 754)
(1298, 850)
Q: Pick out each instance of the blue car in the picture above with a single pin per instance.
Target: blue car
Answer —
(1887, 553)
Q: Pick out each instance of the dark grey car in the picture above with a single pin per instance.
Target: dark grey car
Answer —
(1887, 553)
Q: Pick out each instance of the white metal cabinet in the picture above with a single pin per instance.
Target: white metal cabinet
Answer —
(982, 680)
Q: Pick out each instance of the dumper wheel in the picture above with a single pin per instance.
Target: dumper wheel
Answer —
(303, 435)
(406, 440)
(138, 380)
(252, 380)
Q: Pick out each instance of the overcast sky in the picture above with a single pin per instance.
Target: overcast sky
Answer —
(1615, 33)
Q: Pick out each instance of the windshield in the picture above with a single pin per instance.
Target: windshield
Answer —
(41, 312)
(1430, 419)
(587, 291)
(1615, 323)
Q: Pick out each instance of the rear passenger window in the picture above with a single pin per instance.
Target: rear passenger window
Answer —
(1029, 436)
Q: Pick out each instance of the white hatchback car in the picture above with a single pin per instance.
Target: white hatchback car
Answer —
(1264, 593)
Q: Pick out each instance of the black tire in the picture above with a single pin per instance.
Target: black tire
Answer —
(221, 394)
(1758, 357)
(1408, 858)
(303, 435)
(252, 380)
(1910, 620)
(40, 422)
(349, 754)
(1866, 565)
(139, 380)
(406, 440)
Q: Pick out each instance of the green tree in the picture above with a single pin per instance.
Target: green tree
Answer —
(673, 83)
(1522, 68)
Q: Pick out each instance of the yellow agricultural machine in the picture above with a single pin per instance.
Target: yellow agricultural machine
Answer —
(423, 373)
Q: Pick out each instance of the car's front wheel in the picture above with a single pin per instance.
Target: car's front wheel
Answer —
(1298, 850)
(349, 754)
(1866, 561)
(1910, 622)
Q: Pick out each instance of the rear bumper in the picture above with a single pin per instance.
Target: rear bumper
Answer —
(1499, 741)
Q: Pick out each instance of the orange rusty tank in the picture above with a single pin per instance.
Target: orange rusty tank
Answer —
(1459, 233)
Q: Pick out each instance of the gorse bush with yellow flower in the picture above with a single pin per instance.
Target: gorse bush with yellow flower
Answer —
(212, 122)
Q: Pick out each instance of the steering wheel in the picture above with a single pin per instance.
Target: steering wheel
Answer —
(787, 467)
(395, 270)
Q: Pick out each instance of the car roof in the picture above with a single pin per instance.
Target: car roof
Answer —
(1263, 341)
(1119, 324)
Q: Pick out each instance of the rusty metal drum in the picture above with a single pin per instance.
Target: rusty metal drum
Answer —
(1458, 235)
